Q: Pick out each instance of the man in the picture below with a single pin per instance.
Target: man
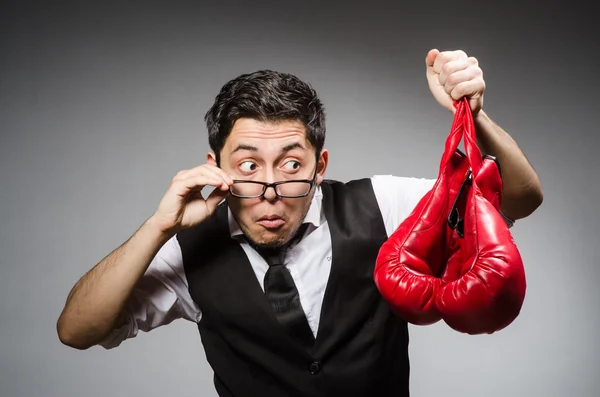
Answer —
(276, 264)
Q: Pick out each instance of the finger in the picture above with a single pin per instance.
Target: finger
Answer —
(459, 77)
(180, 174)
(454, 66)
(214, 198)
(455, 54)
(186, 175)
(213, 169)
(184, 186)
(228, 179)
(445, 57)
(430, 58)
(468, 88)
(223, 180)
(215, 178)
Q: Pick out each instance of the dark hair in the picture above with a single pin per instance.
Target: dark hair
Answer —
(265, 95)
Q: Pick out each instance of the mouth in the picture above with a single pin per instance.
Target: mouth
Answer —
(271, 221)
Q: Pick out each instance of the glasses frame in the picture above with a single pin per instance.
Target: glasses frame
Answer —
(274, 185)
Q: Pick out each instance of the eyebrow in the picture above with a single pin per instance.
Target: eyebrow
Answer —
(250, 148)
(244, 147)
(291, 146)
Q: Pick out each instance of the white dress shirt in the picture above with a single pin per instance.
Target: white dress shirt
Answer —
(162, 294)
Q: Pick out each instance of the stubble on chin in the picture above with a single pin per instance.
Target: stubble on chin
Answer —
(263, 242)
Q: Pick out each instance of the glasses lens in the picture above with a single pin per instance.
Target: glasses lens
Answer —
(287, 189)
(293, 189)
(247, 189)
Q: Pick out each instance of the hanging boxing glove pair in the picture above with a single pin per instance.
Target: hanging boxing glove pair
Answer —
(453, 257)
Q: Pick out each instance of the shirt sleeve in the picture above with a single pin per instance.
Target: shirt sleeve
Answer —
(398, 196)
(160, 297)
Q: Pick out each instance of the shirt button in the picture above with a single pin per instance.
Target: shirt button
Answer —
(314, 367)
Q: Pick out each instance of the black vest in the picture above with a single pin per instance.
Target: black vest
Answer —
(361, 347)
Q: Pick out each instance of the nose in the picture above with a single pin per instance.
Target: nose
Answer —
(270, 194)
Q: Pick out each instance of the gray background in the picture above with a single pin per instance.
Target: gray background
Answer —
(101, 106)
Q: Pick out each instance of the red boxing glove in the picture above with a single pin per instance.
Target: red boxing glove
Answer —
(484, 281)
(470, 274)
(409, 264)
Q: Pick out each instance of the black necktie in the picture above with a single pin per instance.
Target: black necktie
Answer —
(282, 293)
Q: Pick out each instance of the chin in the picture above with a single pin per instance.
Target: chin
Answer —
(267, 244)
(268, 238)
(263, 238)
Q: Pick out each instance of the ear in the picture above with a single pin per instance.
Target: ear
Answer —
(322, 167)
(211, 158)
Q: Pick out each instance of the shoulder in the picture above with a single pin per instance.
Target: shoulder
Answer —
(384, 184)
(383, 187)
(354, 191)
(353, 183)
(398, 195)
(392, 189)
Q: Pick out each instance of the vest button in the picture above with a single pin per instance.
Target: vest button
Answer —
(314, 367)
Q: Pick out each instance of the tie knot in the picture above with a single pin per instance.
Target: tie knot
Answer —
(274, 257)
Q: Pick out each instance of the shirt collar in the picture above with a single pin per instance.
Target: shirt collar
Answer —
(314, 215)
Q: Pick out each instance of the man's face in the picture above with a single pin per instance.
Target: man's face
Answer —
(270, 152)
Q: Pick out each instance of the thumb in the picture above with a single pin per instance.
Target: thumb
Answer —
(430, 58)
(214, 198)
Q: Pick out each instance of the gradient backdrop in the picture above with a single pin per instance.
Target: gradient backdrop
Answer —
(101, 105)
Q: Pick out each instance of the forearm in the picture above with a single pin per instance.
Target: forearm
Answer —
(97, 299)
(522, 192)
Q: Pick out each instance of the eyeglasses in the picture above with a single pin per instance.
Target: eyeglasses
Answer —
(285, 189)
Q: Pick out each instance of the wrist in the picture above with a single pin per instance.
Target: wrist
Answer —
(481, 119)
(155, 232)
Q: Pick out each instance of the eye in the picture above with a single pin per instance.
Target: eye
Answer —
(292, 165)
(248, 166)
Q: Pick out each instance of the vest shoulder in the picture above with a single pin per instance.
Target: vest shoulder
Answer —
(360, 183)
(353, 194)
(355, 188)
